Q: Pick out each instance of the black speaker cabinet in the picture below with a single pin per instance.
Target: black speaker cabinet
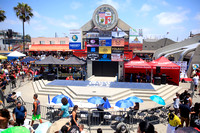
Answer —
(157, 69)
(163, 79)
(157, 80)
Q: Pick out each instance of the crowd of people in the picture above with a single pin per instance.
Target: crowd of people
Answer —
(183, 113)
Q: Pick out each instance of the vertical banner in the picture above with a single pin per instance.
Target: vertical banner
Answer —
(75, 39)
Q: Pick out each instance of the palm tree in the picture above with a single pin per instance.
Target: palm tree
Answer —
(2, 15)
(24, 13)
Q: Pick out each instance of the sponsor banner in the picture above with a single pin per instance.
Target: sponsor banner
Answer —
(119, 50)
(104, 57)
(93, 56)
(117, 57)
(195, 66)
(135, 32)
(135, 46)
(104, 50)
(75, 45)
(92, 42)
(105, 41)
(118, 34)
(92, 35)
(75, 39)
(118, 42)
(135, 39)
(105, 34)
(182, 64)
(93, 50)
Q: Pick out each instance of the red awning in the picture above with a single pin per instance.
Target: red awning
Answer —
(137, 63)
(164, 63)
(49, 47)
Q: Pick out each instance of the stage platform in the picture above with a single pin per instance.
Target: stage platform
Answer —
(80, 91)
(101, 84)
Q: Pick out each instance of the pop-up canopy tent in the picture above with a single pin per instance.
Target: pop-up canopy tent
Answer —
(73, 61)
(167, 67)
(136, 65)
(15, 55)
(28, 59)
(50, 60)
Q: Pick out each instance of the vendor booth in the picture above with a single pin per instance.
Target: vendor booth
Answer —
(15, 55)
(162, 66)
(136, 66)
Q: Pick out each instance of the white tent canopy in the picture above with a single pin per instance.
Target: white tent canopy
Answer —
(16, 54)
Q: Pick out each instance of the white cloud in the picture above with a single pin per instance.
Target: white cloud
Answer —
(70, 25)
(75, 5)
(167, 18)
(164, 3)
(12, 22)
(197, 17)
(70, 17)
(39, 27)
(146, 8)
(110, 2)
(36, 14)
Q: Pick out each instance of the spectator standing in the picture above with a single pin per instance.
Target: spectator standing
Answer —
(174, 122)
(184, 113)
(196, 82)
(36, 110)
(176, 103)
(19, 114)
(195, 114)
(3, 84)
(65, 108)
(188, 97)
(145, 127)
(4, 119)
(74, 116)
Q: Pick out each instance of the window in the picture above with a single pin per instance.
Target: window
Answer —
(62, 42)
(52, 42)
(42, 42)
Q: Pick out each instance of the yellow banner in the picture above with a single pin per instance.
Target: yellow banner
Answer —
(104, 50)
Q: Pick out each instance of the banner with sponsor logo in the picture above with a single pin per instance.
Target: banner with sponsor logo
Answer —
(135, 46)
(117, 57)
(104, 50)
(105, 41)
(105, 34)
(92, 42)
(135, 39)
(92, 35)
(93, 50)
(135, 32)
(75, 39)
(93, 56)
(119, 50)
(118, 42)
(118, 34)
(182, 64)
(104, 57)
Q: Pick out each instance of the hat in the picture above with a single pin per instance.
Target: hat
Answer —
(171, 109)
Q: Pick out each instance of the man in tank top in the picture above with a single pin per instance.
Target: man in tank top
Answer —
(36, 109)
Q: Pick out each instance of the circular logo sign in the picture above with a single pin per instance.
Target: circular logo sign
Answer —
(105, 17)
(75, 38)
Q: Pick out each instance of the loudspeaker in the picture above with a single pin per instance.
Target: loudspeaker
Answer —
(157, 81)
(157, 69)
(164, 79)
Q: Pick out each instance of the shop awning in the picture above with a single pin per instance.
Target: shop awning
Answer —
(49, 47)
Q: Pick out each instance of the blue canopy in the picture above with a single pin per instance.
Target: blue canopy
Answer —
(28, 59)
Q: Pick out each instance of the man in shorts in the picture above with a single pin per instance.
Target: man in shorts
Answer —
(196, 81)
(36, 109)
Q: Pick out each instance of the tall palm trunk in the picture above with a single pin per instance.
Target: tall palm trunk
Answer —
(23, 38)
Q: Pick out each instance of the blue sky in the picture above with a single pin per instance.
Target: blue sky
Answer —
(155, 17)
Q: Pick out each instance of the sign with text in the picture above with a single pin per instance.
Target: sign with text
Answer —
(105, 34)
(135, 32)
(135, 46)
(75, 39)
(93, 56)
(118, 34)
(104, 57)
(118, 42)
(135, 39)
(105, 41)
(119, 50)
(117, 57)
(92, 35)
(104, 50)
(93, 50)
(92, 42)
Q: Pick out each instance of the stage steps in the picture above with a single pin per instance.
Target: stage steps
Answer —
(165, 91)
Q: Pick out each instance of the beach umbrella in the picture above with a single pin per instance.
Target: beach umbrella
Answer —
(16, 129)
(57, 100)
(57, 125)
(157, 99)
(135, 99)
(107, 104)
(43, 127)
(96, 100)
(124, 103)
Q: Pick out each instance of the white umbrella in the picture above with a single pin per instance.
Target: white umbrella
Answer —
(16, 54)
